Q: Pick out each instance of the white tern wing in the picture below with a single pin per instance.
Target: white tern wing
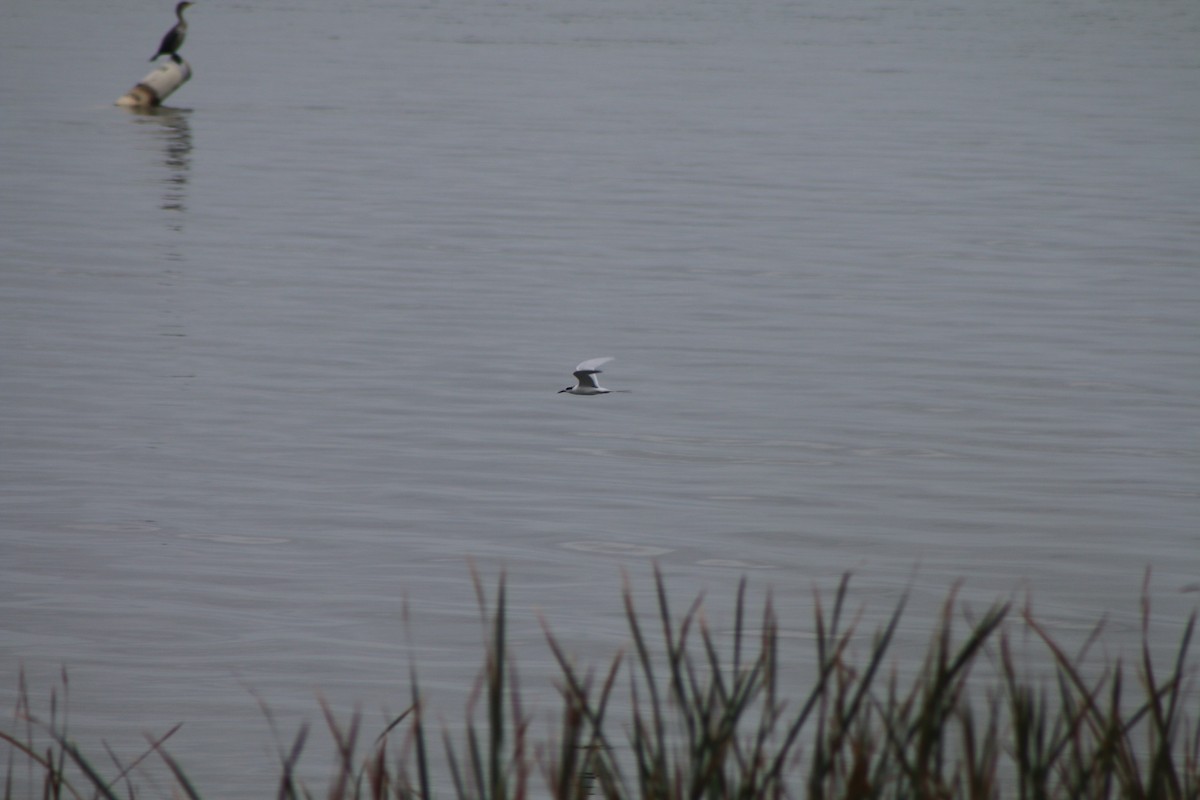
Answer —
(591, 364)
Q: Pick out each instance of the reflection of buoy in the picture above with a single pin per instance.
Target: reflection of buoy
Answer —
(616, 549)
(158, 85)
(232, 538)
(733, 563)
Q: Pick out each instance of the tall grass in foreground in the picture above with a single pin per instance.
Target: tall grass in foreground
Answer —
(685, 715)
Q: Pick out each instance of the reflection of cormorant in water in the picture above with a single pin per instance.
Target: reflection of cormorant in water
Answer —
(173, 40)
(171, 136)
(177, 138)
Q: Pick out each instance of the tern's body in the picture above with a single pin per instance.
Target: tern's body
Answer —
(585, 378)
(173, 39)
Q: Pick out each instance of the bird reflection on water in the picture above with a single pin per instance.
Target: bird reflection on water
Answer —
(171, 131)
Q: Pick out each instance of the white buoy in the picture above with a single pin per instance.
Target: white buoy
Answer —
(158, 85)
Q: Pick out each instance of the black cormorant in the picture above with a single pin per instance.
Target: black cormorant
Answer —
(173, 40)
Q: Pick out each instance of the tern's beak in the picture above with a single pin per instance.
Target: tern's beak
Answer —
(560, 391)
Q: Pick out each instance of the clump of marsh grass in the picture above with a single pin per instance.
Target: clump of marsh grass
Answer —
(688, 715)
(58, 769)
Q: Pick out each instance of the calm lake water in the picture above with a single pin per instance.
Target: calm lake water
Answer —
(910, 290)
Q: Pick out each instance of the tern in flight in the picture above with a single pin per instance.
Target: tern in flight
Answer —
(585, 378)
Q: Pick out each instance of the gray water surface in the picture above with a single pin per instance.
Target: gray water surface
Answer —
(909, 290)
